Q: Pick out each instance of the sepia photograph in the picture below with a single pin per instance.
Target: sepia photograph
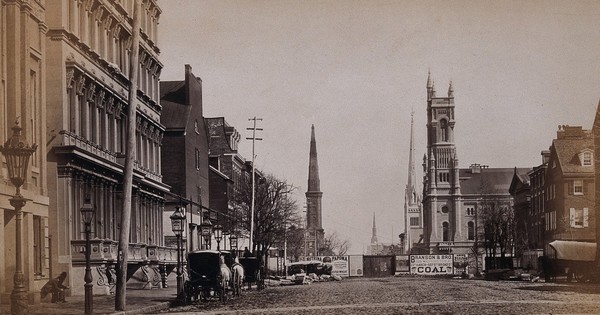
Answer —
(299, 157)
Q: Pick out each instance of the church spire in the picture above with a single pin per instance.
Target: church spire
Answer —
(374, 236)
(412, 176)
(314, 184)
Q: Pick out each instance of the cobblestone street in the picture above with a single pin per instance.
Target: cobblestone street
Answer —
(411, 295)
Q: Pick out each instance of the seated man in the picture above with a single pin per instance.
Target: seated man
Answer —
(56, 287)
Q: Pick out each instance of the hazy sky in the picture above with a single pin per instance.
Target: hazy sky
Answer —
(356, 70)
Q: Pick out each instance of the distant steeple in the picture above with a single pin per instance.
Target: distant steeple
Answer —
(374, 236)
(314, 184)
(314, 214)
(412, 175)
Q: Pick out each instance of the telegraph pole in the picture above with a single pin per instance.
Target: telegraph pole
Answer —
(254, 139)
(120, 293)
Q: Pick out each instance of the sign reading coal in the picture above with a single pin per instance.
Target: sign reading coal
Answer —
(431, 265)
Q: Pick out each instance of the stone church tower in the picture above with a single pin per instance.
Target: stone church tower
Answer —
(441, 186)
(413, 215)
(314, 223)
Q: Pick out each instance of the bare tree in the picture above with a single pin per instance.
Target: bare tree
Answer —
(334, 246)
(496, 214)
(274, 212)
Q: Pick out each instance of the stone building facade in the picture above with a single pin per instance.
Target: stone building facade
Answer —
(23, 74)
(88, 48)
(455, 200)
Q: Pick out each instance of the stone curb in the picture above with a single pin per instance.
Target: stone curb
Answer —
(145, 310)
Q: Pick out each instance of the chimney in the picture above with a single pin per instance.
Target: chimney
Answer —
(545, 156)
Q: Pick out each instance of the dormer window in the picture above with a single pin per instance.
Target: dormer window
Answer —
(587, 158)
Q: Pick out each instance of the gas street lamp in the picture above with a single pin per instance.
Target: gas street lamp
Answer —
(87, 214)
(206, 231)
(218, 230)
(177, 225)
(17, 152)
(233, 243)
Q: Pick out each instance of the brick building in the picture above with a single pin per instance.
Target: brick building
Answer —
(185, 152)
(569, 185)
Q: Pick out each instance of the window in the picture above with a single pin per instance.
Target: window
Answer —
(197, 159)
(445, 209)
(445, 232)
(196, 127)
(578, 187)
(444, 129)
(414, 222)
(471, 211)
(579, 218)
(38, 245)
(471, 230)
(587, 158)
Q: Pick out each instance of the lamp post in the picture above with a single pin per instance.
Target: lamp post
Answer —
(87, 214)
(233, 244)
(177, 225)
(17, 152)
(206, 231)
(218, 229)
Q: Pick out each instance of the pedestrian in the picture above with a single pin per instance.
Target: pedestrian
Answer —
(56, 288)
(247, 253)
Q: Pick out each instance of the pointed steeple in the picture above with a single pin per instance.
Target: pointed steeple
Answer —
(412, 175)
(314, 184)
(374, 236)
(429, 82)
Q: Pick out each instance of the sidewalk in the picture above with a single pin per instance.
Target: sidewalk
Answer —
(137, 302)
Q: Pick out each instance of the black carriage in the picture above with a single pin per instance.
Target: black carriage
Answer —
(253, 272)
(205, 278)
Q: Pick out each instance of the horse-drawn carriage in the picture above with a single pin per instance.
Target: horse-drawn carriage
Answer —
(210, 274)
(572, 259)
(253, 272)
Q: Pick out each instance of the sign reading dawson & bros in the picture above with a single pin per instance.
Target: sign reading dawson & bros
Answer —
(431, 265)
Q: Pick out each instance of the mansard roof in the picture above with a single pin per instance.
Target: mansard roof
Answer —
(487, 180)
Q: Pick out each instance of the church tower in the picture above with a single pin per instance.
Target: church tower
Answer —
(441, 191)
(413, 217)
(314, 228)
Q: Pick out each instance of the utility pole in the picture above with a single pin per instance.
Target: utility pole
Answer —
(120, 293)
(254, 139)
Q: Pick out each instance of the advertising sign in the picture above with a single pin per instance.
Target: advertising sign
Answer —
(431, 265)
(339, 264)
(356, 266)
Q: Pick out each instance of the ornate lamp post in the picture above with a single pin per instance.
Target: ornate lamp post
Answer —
(218, 235)
(177, 225)
(233, 243)
(17, 152)
(206, 231)
(87, 214)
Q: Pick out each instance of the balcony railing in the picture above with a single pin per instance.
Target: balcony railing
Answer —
(105, 251)
(71, 139)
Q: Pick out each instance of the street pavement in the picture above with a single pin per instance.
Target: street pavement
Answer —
(410, 295)
(137, 302)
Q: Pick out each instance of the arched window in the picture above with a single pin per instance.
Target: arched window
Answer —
(444, 130)
(445, 232)
(471, 233)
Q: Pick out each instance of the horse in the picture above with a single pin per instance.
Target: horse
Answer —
(238, 276)
(225, 278)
